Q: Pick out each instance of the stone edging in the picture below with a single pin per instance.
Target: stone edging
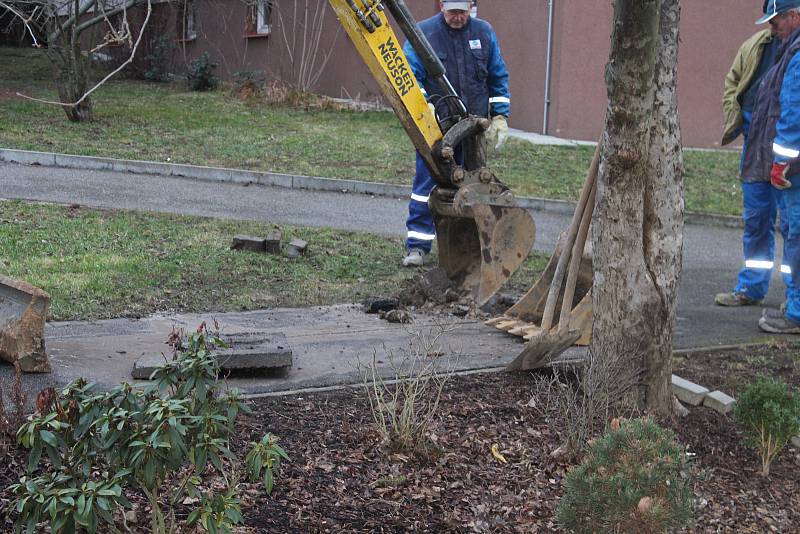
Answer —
(694, 394)
(221, 174)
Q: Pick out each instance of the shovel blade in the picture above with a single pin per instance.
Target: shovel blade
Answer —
(543, 349)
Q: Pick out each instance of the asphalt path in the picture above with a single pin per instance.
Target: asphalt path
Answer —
(712, 254)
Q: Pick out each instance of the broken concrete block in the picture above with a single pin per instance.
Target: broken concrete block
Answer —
(379, 304)
(796, 442)
(296, 247)
(688, 392)
(23, 312)
(719, 401)
(248, 242)
(254, 351)
(273, 243)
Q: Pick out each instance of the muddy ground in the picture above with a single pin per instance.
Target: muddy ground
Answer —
(341, 480)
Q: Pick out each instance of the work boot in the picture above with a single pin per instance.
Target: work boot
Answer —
(778, 325)
(735, 299)
(414, 258)
(772, 313)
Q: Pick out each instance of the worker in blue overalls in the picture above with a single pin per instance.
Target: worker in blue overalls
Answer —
(470, 53)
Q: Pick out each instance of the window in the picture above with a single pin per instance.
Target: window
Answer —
(187, 21)
(258, 18)
(263, 11)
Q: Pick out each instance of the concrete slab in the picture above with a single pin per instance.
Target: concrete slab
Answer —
(251, 351)
(687, 391)
(328, 344)
(719, 401)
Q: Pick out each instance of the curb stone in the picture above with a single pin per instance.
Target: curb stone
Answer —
(695, 394)
(291, 181)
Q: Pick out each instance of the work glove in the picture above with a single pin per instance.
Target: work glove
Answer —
(497, 133)
(777, 177)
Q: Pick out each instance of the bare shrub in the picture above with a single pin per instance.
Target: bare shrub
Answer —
(587, 398)
(302, 36)
(405, 405)
(278, 92)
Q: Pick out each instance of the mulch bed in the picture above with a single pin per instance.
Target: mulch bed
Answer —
(340, 480)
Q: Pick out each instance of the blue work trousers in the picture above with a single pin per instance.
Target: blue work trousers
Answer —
(761, 203)
(791, 200)
(420, 228)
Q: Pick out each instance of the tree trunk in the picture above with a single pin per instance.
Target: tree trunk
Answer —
(638, 221)
(72, 81)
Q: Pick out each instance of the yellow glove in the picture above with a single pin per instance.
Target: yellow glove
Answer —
(498, 132)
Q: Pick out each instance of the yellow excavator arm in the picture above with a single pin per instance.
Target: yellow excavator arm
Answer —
(482, 235)
(382, 51)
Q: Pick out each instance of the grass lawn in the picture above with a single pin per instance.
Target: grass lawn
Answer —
(161, 122)
(106, 263)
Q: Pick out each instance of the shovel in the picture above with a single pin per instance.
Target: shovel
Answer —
(548, 342)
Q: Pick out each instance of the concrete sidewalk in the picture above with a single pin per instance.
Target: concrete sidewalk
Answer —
(327, 342)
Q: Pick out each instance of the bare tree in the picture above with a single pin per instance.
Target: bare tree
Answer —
(71, 32)
(638, 230)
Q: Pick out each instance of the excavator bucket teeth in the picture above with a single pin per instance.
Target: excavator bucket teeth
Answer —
(480, 252)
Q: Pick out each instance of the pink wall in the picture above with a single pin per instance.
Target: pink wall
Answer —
(709, 37)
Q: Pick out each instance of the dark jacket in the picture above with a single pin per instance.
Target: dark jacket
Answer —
(737, 81)
(759, 154)
(473, 65)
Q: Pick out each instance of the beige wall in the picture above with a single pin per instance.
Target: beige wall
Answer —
(582, 29)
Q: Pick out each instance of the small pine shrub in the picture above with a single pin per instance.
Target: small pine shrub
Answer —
(769, 415)
(633, 479)
(201, 75)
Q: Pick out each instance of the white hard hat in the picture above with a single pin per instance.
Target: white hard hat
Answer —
(452, 4)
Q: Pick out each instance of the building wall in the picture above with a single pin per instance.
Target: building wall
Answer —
(710, 37)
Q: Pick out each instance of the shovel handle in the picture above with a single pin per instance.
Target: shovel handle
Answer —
(575, 261)
(558, 276)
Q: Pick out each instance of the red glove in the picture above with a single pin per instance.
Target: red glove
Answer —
(777, 177)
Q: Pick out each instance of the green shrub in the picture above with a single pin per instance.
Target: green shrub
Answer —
(157, 62)
(769, 415)
(161, 440)
(633, 479)
(201, 75)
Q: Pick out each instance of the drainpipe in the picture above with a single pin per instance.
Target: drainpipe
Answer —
(547, 68)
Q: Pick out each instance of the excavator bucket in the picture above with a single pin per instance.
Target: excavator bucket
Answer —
(481, 241)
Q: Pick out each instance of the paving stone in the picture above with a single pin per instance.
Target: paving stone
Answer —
(248, 242)
(273, 243)
(719, 401)
(688, 392)
(23, 311)
(296, 247)
(256, 351)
